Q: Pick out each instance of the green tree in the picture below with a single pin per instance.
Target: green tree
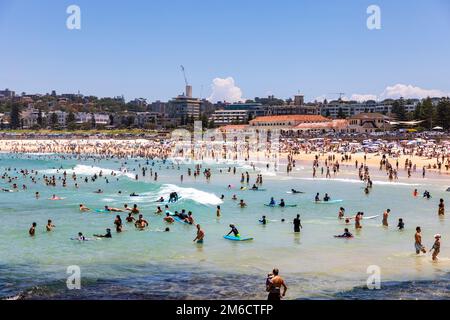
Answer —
(341, 114)
(93, 122)
(204, 119)
(71, 121)
(428, 113)
(40, 120)
(443, 113)
(398, 108)
(15, 122)
(54, 120)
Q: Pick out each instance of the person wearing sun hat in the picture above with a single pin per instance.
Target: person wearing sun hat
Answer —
(436, 246)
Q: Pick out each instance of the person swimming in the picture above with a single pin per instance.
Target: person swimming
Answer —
(282, 204)
(317, 198)
(107, 235)
(242, 204)
(83, 208)
(263, 220)
(134, 195)
(346, 234)
(326, 198)
(80, 237)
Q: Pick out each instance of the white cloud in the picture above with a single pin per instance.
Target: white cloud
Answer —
(224, 89)
(363, 97)
(409, 91)
(394, 92)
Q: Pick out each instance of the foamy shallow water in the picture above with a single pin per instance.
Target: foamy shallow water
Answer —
(314, 264)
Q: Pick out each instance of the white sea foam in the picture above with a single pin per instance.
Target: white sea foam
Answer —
(89, 171)
(376, 182)
(196, 195)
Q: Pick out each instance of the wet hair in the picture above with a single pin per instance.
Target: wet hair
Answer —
(275, 271)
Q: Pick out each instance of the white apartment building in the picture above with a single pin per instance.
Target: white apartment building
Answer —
(224, 117)
(350, 109)
(85, 117)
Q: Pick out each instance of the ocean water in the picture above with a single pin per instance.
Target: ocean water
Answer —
(152, 264)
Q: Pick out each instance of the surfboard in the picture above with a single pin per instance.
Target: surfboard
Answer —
(179, 198)
(170, 213)
(181, 221)
(76, 239)
(328, 202)
(370, 217)
(278, 206)
(233, 238)
(102, 211)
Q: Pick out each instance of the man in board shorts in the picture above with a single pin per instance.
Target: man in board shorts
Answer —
(418, 242)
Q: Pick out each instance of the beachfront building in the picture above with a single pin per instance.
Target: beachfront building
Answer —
(286, 122)
(29, 117)
(369, 122)
(292, 109)
(185, 106)
(86, 117)
(224, 117)
(335, 125)
(339, 108)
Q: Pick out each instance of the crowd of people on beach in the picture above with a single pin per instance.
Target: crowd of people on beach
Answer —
(325, 162)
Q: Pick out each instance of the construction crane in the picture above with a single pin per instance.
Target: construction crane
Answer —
(184, 74)
(341, 94)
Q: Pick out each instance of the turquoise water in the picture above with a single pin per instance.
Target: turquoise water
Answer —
(155, 264)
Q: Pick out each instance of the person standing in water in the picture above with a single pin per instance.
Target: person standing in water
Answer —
(418, 241)
(218, 212)
(273, 286)
(297, 224)
(49, 227)
(200, 235)
(32, 230)
(385, 217)
(436, 247)
(401, 224)
(441, 207)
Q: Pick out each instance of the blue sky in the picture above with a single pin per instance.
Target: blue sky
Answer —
(135, 48)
